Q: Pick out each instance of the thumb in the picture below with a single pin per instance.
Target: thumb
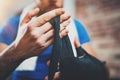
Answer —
(76, 42)
(29, 16)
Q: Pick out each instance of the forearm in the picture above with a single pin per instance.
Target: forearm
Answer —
(9, 60)
(89, 49)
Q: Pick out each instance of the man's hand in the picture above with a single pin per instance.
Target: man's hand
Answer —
(39, 33)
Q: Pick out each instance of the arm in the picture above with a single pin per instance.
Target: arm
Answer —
(31, 43)
(84, 38)
(2, 46)
(9, 60)
(89, 49)
(8, 31)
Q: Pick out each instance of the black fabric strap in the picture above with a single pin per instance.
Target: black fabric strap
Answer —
(62, 49)
(67, 48)
(57, 48)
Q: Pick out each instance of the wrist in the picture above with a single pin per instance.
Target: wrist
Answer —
(11, 55)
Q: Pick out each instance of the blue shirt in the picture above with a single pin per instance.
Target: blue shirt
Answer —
(9, 30)
(7, 35)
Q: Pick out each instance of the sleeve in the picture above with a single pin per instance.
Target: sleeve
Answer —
(82, 33)
(8, 30)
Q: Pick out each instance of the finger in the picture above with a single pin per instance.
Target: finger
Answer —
(48, 43)
(64, 25)
(48, 62)
(35, 12)
(63, 33)
(29, 16)
(44, 38)
(48, 35)
(76, 42)
(64, 17)
(56, 76)
(40, 31)
(46, 27)
(47, 17)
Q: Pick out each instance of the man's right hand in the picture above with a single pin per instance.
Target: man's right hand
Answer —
(39, 33)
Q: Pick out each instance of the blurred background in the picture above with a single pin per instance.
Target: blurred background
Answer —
(101, 18)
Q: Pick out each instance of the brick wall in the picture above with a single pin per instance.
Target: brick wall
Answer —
(102, 20)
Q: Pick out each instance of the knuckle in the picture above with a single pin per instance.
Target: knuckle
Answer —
(33, 36)
(40, 43)
(40, 21)
(28, 14)
(58, 11)
(30, 27)
(64, 18)
(45, 19)
(37, 23)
